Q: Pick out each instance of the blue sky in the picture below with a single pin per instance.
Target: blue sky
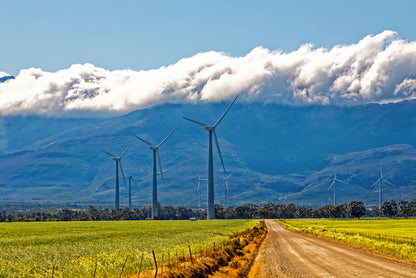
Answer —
(119, 56)
(53, 35)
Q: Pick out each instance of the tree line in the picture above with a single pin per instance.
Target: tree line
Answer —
(354, 209)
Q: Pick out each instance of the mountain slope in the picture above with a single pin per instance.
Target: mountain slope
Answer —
(277, 153)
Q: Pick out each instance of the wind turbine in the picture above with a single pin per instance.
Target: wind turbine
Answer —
(211, 131)
(199, 188)
(117, 159)
(226, 188)
(334, 184)
(155, 150)
(379, 181)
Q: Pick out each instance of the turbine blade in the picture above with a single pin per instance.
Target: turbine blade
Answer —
(128, 147)
(333, 182)
(218, 149)
(196, 122)
(375, 183)
(223, 115)
(109, 153)
(230, 175)
(344, 182)
(167, 137)
(143, 140)
(389, 182)
(160, 165)
(122, 173)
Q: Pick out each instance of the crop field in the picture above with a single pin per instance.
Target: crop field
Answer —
(396, 237)
(104, 248)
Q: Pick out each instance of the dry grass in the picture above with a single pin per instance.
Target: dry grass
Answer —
(232, 259)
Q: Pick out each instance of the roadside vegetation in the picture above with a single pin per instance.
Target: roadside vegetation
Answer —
(249, 211)
(106, 248)
(395, 237)
(231, 260)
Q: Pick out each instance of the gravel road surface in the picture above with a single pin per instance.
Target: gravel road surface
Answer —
(289, 254)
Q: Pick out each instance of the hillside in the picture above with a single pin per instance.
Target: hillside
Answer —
(277, 153)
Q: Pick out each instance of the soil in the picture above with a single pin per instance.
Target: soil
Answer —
(289, 254)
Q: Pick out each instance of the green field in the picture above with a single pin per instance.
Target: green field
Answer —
(80, 249)
(392, 236)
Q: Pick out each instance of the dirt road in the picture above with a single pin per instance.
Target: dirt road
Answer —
(289, 254)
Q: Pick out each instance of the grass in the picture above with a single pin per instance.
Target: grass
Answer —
(395, 237)
(100, 249)
(233, 259)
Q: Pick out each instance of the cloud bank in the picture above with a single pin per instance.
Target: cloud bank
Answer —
(379, 68)
(3, 74)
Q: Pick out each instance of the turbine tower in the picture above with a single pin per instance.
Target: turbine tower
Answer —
(334, 184)
(118, 162)
(130, 180)
(226, 188)
(155, 150)
(211, 131)
(379, 182)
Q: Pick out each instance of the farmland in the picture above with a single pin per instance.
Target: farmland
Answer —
(391, 236)
(104, 248)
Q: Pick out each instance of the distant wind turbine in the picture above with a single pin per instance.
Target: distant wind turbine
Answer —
(155, 150)
(226, 188)
(118, 162)
(199, 188)
(211, 131)
(379, 182)
(334, 184)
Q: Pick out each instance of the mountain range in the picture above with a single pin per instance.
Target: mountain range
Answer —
(276, 153)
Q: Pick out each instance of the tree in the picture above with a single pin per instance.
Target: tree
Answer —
(93, 213)
(356, 209)
(389, 209)
(266, 211)
(290, 210)
(327, 211)
(340, 211)
(303, 212)
(246, 211)
(412, 206)
(405, 208)
(3, 216)
(219, 212)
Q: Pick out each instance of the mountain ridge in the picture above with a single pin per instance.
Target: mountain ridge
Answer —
(277, 153)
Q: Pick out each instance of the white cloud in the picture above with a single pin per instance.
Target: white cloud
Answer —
(379, 68)
(3, 74)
